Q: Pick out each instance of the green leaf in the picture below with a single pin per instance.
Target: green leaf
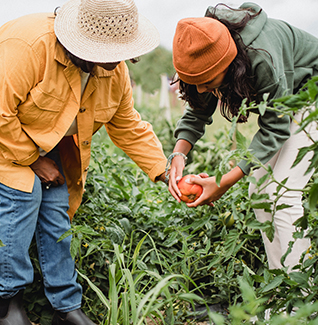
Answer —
(301, 154)
(99, 293)
(266, 206)
(300, 278)
(85, 230)
(116, 234)
(125, 223)
(113, 295)
(171, 240)
(282, 207)
(2, 244)
(75, 246)
(289, 249)
(125, 308)
(122, 209)
(230, 242)
(135, 191)
(66, 234)
(147, 302)
(281, 185)
(273, 284)
(270, 231)
(259, 196)
(187, 296)
(314, 160)
(132, 293)
(313, 197)
(255, 224)
(312, 89)
(125, 194)
(118, 180)
(218, 177)
(258, 278)
(263, 105)
(240, 140)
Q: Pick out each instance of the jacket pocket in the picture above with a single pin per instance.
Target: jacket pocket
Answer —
(104, 115)
(40, 106)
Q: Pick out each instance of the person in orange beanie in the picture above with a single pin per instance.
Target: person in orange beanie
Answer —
(228, 56)
(63, 77)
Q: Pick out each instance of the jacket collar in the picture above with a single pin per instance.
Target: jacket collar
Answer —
(70, 69)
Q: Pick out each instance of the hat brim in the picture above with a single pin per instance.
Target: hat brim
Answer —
(144, 40)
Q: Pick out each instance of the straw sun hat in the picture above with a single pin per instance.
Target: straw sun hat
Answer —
(104, 30)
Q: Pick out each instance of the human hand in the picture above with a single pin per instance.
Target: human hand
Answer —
(176, 171)
(191, 192)
(211, 191)
(47, 171)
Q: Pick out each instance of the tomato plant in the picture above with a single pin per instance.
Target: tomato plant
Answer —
(157, 238)
(227, 219)
(190, 192)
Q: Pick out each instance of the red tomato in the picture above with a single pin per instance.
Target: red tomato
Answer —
(190, 192)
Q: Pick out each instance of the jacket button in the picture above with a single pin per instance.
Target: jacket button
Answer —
(82, 109)
(85, 143)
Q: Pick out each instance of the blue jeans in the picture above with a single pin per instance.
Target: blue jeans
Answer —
(43, 213)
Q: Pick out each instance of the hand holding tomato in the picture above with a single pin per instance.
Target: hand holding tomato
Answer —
(211, 190)
(189, 192)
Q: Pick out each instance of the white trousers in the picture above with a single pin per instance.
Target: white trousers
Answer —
(283, 220)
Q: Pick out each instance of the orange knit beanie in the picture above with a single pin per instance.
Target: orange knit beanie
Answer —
(202, 48)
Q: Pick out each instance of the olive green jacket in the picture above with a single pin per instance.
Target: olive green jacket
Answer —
(289, 56)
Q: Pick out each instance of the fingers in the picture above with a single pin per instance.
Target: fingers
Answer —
(55, 180)
(173, 188)
(59, 180)
(196, 180)
(203, 175)
(175, 175)
(200, 201)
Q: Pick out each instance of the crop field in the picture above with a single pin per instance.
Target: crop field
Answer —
(144, 258)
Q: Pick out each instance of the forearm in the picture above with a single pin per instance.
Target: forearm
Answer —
(231, 178)
(182, 146)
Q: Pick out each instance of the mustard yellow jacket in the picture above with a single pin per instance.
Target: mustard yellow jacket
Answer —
(40, 96)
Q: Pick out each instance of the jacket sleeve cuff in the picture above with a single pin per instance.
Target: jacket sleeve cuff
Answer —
(29, 160)
(192, 139)
(245, 166)
(157, 170)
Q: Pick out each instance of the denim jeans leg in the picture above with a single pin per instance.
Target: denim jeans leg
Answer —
(57, 265)
(18, 218)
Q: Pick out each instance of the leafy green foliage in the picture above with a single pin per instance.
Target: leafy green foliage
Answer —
(141, 255)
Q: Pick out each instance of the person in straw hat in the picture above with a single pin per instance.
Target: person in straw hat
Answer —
(228, 56)
(63, 77)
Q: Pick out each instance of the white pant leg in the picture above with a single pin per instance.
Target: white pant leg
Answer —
(283, 220)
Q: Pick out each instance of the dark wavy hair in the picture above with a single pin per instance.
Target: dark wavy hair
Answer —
(238, 81)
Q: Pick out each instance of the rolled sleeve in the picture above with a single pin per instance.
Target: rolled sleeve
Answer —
(136, 137)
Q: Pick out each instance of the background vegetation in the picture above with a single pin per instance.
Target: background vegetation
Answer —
(144, 258)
